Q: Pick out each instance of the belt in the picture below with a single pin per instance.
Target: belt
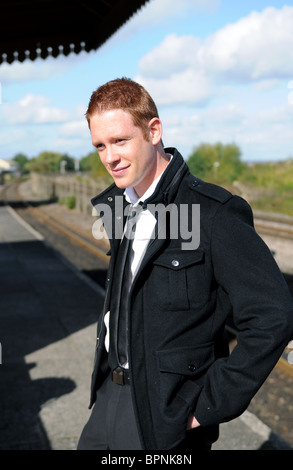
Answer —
(121, 376)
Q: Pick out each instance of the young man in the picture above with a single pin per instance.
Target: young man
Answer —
(164, 379)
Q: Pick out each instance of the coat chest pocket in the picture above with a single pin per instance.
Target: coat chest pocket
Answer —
(172, 267)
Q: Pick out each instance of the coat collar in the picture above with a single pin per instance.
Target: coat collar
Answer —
(168, 184)
(111, 203)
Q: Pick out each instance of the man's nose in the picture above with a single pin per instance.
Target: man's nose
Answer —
(111, 156)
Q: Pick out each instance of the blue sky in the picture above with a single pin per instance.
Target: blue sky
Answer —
(218, 71)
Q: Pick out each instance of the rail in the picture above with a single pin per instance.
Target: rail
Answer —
(10, 196)
(274, 224)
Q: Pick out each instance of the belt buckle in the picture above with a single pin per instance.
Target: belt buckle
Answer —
(118, 376)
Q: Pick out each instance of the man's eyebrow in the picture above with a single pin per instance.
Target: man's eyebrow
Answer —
(120, 136)
(96, 143)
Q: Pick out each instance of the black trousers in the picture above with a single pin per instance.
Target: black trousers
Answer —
(112, 424)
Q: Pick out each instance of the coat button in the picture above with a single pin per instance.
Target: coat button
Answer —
(192, 367)
(175, 263)
(110, 199)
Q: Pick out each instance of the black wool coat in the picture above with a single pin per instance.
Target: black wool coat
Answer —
(180, 301)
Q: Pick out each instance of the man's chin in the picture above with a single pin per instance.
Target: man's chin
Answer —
(120, 184)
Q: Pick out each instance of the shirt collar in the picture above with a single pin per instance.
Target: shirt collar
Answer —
(133, 198)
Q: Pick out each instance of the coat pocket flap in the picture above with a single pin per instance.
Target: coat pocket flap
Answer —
(179, 259)
(186, 361)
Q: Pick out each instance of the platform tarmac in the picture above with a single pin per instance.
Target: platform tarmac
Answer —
(48, 312)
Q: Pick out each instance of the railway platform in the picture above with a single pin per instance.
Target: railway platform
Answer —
(47, 333)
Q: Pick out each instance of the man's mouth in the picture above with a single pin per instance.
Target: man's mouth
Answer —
(119, 171)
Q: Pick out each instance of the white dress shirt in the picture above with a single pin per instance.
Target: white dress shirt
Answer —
(145, 224)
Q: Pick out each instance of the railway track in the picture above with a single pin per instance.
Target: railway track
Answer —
(47, 222)
(73, 234)
(276, 225)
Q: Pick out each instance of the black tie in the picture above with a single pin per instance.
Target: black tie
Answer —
(120, 297)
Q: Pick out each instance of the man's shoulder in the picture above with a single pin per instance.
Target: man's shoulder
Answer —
(208, 190)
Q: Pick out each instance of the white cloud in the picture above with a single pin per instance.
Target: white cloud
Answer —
(210, 125)
(267, 84)
(257, 48)
(188, 87)
(75, 145)
(15, 135)
(264, 135)
(75, 129)
(174, 54)
(38, 69)
(27, 70)
(33, 110)
(155, 12)
(280, 115)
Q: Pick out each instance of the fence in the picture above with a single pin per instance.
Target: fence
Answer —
(77, 189)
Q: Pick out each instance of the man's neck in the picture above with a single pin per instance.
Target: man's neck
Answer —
(131, 194)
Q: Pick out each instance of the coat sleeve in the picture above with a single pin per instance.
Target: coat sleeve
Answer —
(262, 313)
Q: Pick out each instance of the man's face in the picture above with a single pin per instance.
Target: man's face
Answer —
(124, 151)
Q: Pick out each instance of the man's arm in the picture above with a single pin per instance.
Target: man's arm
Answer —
(262, 313)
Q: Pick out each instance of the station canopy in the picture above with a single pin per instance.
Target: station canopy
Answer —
(42, 28)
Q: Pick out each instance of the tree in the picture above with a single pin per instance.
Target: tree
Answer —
(70, 162)
(216, 162)
(21, 160)
(50, 162)
(201, 160)
(93, 164)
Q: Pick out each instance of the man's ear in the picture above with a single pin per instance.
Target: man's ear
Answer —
(155, 130)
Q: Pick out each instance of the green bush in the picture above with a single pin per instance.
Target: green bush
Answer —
(70, 202)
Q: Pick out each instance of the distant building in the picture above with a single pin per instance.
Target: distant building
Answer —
(6, 166)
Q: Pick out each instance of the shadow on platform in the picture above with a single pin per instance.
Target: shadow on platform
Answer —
(42, 302)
